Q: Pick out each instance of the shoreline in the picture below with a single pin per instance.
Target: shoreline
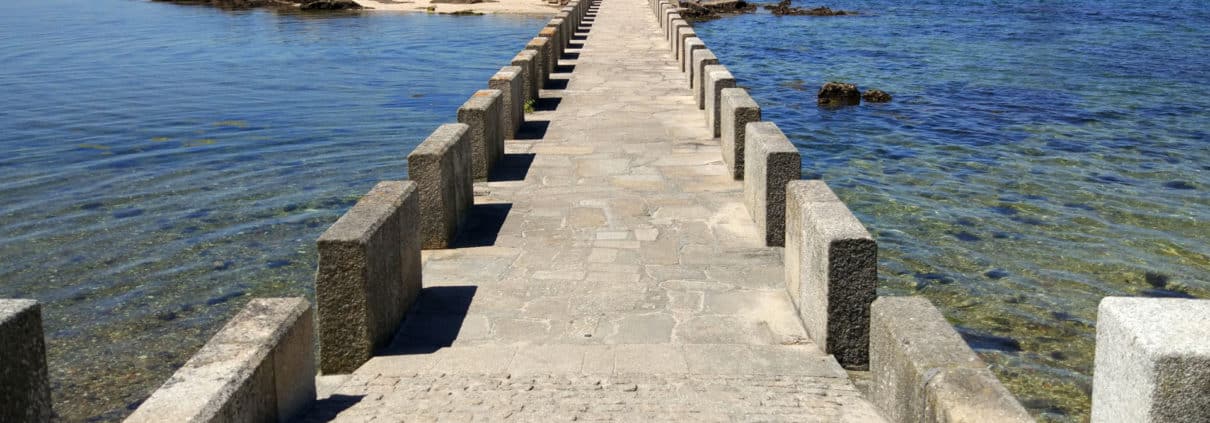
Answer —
(509, 7)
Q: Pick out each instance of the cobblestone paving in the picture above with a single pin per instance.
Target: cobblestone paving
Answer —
(609, 271)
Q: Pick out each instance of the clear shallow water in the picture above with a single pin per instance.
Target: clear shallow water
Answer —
(1037, 157)
(163, 164)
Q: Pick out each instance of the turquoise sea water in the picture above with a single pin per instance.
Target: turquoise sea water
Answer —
(162, 164)
(1038, 156)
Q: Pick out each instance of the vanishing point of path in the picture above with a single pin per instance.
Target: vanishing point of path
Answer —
(609, 271)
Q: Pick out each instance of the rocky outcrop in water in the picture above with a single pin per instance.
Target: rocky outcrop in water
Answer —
(835, 94)
(875, 96)
(698, 11)
(282, 4)
(330, 5)
(783, 8)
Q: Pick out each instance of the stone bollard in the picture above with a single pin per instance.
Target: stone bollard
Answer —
(562, 33)
(527, 60)
(697, 75)
(543, 52)
(738, 109)
(368, 276)
(673, 27)
(551, 33)
(667, 15)
(568, 13)
(24, 380)
(718, 78)
(831, 267)
(1152, 361)
(922, 371)
(770, 161)
(441, 168)
(482, 113)
(508, 81)
(662, 16)
(678, 42)
(260, 367)
(691, 45)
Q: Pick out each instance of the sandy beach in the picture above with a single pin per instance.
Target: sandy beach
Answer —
(520, 7)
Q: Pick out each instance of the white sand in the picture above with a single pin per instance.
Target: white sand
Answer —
(521, 7)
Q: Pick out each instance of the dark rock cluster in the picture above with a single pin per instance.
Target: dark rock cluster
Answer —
(698, 11)
(783, 8)
(835, 94)
(284, 4)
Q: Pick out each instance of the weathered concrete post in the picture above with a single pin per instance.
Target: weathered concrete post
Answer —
(482, 113)
(24, 381)
(717, 78)
(543, 51)
(260, 367)
(831, 265)
(512, 110)
(770, 161)
(368, 276)
(527, 60)
(701, 58)
(923, 371)
(678, 47)
(551, 34)
(738, 110)
(441, 168)
(691, 45)
(675, 25)
(1152, 361)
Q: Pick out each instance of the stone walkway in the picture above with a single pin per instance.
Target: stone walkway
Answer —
(610, 271)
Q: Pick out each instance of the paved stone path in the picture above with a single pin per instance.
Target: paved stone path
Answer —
(610, 272)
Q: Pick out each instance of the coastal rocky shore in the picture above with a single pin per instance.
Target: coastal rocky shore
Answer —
(288, 4)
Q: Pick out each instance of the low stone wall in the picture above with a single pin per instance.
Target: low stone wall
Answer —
(369, 275)
(923, 371)
(441, 168)
(24, 381)
(770, 161)
(260, 367)
(738, 110)
(482, 114)
(1152, 361)
(831, 265)
(717, 78)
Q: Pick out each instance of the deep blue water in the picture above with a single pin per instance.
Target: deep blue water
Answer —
(162, 164)
(1037, 157)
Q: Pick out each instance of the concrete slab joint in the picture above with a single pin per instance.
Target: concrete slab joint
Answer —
(482, 113)
(368, 276)
(770, 161)
(441, 168)
(259, 367)
(923, 371)
(1152, 361)
(717, 79)
(25, 391)
(738, 110)
(512, 110)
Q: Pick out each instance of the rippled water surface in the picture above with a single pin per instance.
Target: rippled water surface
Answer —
(1037, 157)
(162, 164)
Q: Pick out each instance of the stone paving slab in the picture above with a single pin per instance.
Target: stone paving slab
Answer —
(610, 271)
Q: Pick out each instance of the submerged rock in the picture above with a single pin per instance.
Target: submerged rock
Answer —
(876, 96)
(783, 8)
(330, 5)
(839, 94)
(698, 11)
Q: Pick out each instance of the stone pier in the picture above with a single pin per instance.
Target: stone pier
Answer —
(622, 262)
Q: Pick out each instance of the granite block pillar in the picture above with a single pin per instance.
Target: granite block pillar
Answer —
(441, 168)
